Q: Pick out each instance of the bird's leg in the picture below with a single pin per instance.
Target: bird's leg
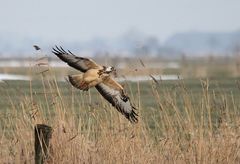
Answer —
(93, 83)
(84, 86)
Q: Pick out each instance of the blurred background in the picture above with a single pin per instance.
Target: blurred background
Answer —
(178, 61)
(167, 39)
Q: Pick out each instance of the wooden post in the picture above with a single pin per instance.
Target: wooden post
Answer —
(43, 134)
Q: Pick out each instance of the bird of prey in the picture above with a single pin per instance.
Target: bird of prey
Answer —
(94, 75)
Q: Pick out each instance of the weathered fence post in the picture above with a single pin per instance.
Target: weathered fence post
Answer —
(43, 133)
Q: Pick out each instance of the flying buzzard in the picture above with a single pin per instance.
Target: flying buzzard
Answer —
(98, 76)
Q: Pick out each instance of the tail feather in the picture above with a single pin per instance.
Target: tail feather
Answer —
(77, 81)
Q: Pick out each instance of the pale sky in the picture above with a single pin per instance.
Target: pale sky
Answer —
(84, 20)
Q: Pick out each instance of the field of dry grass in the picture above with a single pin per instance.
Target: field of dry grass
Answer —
(175, 125)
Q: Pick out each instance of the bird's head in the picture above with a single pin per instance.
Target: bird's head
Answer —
(109, 69)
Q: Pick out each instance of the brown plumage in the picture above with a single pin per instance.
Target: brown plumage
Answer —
(98, 76)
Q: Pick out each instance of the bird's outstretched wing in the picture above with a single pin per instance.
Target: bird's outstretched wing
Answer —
(113, 93)
(79, 63)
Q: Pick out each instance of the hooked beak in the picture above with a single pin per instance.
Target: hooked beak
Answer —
(114, 71)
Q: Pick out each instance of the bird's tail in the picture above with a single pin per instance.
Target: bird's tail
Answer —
(77, 81)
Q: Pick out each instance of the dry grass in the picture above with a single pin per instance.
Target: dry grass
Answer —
(206, 131)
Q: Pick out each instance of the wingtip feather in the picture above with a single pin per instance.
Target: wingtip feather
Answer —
(133, 117)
